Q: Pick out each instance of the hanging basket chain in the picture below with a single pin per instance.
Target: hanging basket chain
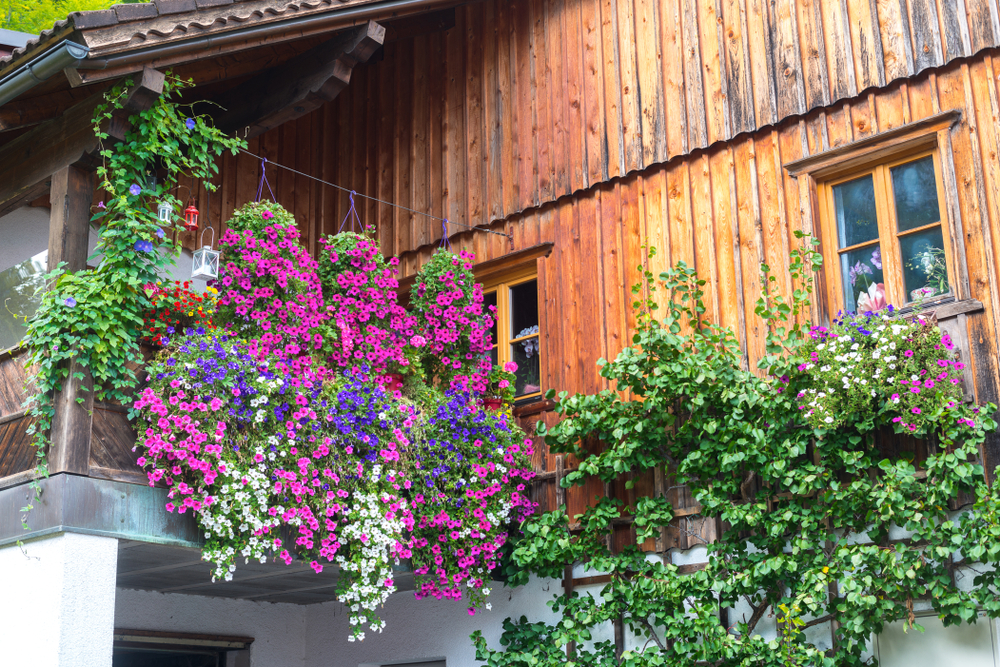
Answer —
(445, 241)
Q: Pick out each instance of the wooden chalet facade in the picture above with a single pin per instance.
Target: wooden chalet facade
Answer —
(581, 131)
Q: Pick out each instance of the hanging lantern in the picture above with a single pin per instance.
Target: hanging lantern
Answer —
(206, 260)
(165, 212)
(191, 217)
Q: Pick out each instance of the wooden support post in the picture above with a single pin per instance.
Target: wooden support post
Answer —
(69, 232)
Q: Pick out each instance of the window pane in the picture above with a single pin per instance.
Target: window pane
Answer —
(861, 270)
(17, 297)
(914, 187)
(490, 299)
(524, 309)
(855, 205)
(493, 356)
(525, 355)
(924, 265)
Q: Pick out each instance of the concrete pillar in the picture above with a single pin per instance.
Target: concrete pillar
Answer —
(57, 606)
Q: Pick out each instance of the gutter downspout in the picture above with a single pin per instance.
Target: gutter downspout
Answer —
(67, 54)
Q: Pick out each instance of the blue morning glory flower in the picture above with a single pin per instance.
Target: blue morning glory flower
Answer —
(135, 189)
(159, 233)
(143, 246)
(70, 301)
(190, 123)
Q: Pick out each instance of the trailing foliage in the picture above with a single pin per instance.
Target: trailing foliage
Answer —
(451, 320)
(95, 318)
(276, 431)
(812, 509)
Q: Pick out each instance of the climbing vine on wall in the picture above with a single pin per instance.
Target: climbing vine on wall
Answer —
(89, 322)
(830, 523)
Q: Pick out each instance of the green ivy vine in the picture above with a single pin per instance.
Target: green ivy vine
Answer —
(93, 318)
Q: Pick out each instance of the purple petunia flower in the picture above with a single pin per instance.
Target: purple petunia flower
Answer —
(135, 189)
(267, 215)
(70, 301)
(190, 123)
(859, 269)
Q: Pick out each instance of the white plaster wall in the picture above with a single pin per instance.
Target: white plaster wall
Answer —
(278, 629)
(25, 232)
(421, 630)
(58, 601)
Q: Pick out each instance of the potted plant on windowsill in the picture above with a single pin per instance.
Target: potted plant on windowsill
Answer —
(500, 386)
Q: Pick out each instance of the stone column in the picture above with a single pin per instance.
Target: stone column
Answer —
(57, 607)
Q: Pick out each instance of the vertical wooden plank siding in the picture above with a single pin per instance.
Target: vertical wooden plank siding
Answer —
(524, 102)
(731, 207)
(604, 127)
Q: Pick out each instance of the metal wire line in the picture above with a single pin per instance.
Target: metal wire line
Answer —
(375, 199)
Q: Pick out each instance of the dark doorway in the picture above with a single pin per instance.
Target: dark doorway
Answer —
(143, 657)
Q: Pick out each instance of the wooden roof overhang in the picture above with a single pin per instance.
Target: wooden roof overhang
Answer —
(270, 61)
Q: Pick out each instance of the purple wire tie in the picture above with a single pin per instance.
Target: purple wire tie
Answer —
(352, 215)
(445, 241)
(263, 180)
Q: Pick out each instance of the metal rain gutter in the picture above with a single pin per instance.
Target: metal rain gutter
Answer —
(67, 54)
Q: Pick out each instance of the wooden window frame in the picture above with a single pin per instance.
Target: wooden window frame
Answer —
(889, 236)
(818, 173)
(501, 283)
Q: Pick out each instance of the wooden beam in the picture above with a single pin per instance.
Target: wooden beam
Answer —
(64, 152)
(69, 139)
(299, 85)
(69, 232)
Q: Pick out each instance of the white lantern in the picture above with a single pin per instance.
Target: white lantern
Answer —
(206, 260)
(166, 211)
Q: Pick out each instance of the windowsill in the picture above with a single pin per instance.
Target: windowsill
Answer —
(533, 406)
(945, 308)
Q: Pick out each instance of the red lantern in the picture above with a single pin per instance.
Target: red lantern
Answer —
(191, 217)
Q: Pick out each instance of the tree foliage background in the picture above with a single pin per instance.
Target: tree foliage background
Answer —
(33, 16)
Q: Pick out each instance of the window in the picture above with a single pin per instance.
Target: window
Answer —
(515, 332)
(891, 242)
(19, 297)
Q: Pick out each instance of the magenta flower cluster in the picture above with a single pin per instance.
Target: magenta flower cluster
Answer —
(368, 327)
(277, 423)
(270, 293)
(451, 318)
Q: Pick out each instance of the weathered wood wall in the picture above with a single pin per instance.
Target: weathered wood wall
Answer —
(526, 101)
(597, 126)
(725, 209)
(17, 454)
